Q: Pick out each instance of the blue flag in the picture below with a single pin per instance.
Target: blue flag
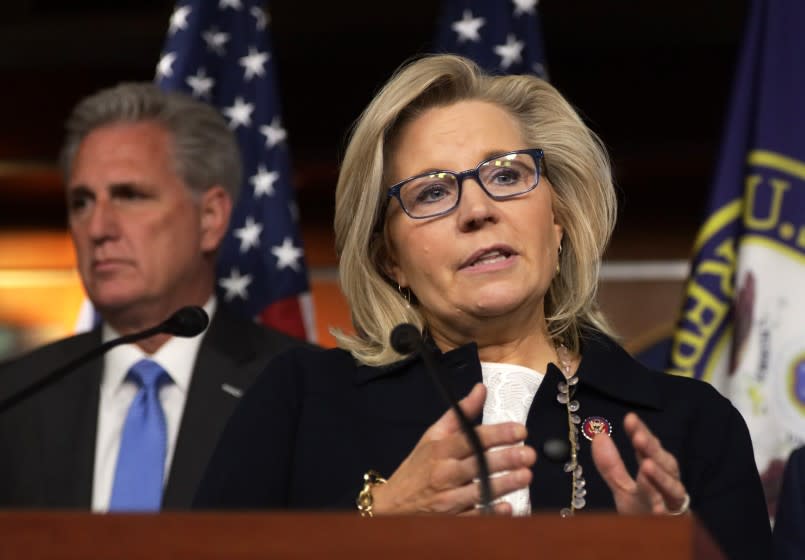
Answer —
(503, 37)
(742, 326)
(218, 50)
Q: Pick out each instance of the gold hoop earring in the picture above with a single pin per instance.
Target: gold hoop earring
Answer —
(558, 261)
(406, 295)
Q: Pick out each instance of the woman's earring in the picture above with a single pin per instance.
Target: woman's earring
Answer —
(406, 295)
(558, 260)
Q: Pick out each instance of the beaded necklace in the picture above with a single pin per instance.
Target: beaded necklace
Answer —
(567, 389)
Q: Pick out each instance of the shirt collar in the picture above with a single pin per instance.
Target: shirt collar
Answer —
(172, 356)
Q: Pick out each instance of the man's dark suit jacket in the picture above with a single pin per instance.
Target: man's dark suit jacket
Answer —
(47, 443)
(789, 523)
(315, 422)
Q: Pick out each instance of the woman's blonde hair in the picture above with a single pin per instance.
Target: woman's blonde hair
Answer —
(576, 164)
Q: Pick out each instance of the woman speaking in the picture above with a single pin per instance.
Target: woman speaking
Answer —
(477, 208)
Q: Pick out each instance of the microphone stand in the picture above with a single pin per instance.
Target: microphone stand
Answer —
(408, 334)
(188, 321)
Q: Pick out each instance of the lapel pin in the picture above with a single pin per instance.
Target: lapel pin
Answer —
(234, 391)
(594, 425)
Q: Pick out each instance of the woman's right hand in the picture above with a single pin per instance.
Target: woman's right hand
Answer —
(440, 474)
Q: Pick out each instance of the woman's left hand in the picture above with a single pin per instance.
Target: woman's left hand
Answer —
(657, 488)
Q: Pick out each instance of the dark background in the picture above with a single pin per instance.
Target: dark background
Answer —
(652, 78)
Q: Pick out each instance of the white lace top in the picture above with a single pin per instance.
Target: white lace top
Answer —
(510, 389)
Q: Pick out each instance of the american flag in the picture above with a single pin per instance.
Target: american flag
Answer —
(219, 51)
(503, 37)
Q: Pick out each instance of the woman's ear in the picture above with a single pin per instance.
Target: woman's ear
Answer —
(396, 273)
(558, 235)
(387, 260)
(559, 231)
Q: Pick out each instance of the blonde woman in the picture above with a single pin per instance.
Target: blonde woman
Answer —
(478, 208)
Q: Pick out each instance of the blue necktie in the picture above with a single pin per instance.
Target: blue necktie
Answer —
(141, 459)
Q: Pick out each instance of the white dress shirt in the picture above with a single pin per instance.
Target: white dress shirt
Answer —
(177, 357)
(510, 390)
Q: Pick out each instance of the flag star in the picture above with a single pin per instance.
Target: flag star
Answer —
(287, 255)
(274, 133)
(263, 181)
(260, 16)
(467, 27)
(510, 52)
(249, 234)
(216, 40)
(525, 7)
(179, 19)
(253, 63)
(201, 84)
(165, 65)
(240, 113)
(235, 285)
(234, 4)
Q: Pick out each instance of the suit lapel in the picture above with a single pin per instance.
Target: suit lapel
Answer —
(405, 392)
(463, 371)
(68, 417)
(218, 377)
(547, 420)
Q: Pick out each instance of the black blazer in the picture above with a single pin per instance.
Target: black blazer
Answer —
(47, 443)
(789, 523)
(315, 422)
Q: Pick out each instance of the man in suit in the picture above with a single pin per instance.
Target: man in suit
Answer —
(789, 523)
(151, 178)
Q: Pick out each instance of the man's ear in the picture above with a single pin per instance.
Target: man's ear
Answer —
(216, 208)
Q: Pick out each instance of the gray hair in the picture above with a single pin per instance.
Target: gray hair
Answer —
(205, 149)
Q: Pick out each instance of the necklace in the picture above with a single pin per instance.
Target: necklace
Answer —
(567, 389)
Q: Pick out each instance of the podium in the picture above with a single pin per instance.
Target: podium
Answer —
(252, 536)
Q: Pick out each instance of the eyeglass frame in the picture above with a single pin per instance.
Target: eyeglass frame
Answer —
(537, 154)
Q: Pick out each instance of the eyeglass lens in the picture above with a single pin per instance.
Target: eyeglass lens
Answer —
(501, 177)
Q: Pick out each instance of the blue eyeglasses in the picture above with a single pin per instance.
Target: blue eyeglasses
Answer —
(436, 193)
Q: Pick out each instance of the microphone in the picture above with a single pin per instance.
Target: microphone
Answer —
(556, 450)
(406, 339)
(186, 322)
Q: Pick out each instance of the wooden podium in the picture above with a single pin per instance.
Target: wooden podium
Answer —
(242, 536)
